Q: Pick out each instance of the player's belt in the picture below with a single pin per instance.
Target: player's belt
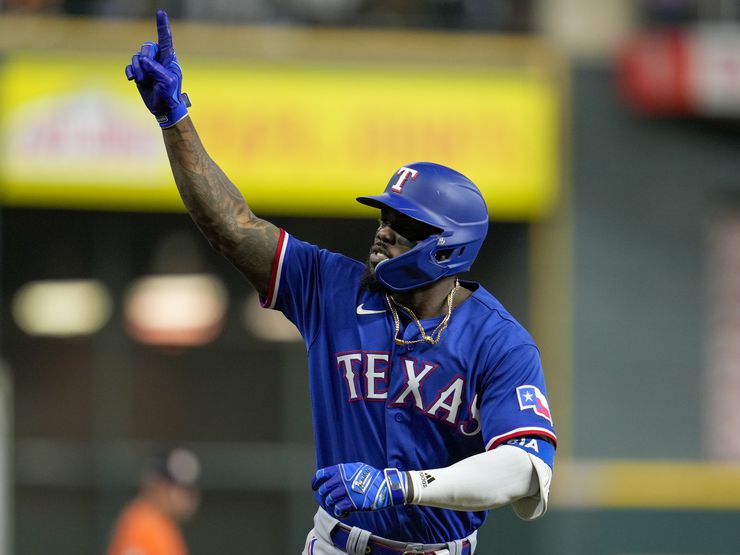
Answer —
(378, 546)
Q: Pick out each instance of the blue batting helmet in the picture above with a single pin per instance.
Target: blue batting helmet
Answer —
(442, 198)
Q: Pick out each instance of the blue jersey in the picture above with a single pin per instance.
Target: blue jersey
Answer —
(411, 407)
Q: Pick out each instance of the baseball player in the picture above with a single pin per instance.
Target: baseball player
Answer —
(150, 524)
(429, 401)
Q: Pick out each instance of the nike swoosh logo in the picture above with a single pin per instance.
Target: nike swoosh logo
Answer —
(362, 310)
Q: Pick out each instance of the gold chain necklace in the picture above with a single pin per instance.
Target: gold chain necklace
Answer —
(392, 303)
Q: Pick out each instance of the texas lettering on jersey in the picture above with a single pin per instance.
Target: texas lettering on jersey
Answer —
(366, 377)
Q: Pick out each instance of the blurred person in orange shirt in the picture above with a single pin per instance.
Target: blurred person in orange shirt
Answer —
(150, 524)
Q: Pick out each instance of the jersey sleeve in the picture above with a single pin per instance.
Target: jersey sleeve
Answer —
(514, 399)
(300, 273)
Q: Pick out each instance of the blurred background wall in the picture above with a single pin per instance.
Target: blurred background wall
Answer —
(604, 135)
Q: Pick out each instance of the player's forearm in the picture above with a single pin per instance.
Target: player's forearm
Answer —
(215, 204)
(484, 481)
(218, 207)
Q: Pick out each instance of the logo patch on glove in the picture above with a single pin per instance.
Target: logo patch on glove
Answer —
(362, 482)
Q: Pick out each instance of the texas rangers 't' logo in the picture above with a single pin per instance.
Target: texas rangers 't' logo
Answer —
(530, 397)
(404, 173)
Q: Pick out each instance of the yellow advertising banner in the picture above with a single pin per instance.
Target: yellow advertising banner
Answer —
(296, 138)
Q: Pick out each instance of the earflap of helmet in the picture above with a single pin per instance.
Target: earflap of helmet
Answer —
(411, 269)
(429, 260)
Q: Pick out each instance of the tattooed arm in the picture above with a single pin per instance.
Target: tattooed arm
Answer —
(214, 203)
(218, 208)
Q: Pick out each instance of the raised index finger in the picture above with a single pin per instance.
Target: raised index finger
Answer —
(164, 36)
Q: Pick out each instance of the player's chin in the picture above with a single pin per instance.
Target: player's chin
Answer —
(370, 282)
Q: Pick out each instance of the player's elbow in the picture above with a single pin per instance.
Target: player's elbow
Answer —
(500, 497)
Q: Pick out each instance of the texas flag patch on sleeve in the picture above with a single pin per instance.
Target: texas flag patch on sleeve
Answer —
(530, 397)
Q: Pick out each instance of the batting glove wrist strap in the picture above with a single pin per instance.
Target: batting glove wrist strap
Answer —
(397, 485)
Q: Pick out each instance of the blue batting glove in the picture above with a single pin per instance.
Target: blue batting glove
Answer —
(344, 488)
(158, 76)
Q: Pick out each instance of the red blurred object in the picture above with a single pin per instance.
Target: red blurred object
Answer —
(683, 71)
(653, 72)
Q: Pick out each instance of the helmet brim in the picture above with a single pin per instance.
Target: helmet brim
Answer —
(405, 207)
